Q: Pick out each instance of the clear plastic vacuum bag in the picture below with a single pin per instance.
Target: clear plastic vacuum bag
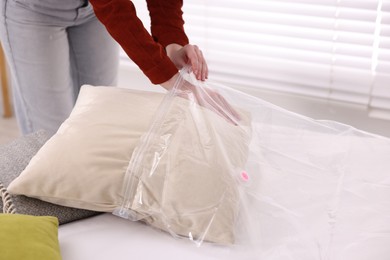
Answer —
(222, 167)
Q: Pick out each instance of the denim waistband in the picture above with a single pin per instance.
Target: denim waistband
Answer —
(55, 12)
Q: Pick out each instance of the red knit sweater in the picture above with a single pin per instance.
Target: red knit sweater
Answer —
(148, 52)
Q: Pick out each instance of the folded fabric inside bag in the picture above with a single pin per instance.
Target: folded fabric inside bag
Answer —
(184, 173)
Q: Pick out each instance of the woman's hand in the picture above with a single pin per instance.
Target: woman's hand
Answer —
(191, 55)
(203, 96)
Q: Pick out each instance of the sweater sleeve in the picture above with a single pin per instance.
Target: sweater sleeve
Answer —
(167, 24)
(121, 21)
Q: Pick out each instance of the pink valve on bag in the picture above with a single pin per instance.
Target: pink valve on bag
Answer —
(244, 176)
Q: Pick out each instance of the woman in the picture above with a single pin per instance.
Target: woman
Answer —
(54, 46)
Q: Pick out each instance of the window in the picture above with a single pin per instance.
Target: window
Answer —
(332, 49)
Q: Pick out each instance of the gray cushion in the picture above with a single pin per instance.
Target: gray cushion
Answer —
(14, 157)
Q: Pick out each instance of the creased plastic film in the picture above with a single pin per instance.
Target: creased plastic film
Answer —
(221, 167)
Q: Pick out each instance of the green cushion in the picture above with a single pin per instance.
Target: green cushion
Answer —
(28, 237)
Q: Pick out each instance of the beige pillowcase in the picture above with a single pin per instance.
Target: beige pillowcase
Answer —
(84, 164)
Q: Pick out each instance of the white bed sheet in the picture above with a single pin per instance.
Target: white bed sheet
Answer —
(109, 237)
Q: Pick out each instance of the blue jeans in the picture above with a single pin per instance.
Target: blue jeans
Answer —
(52, 48)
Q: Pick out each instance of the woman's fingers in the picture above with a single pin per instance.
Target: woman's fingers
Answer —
(228, 110)
(191, 55)
(202, 65)
(211, 100)
(222, 107)
(202, 71)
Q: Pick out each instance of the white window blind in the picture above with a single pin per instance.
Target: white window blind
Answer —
(332, 49)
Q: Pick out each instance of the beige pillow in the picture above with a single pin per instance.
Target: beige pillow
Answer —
(84, 164)
(14, 157)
